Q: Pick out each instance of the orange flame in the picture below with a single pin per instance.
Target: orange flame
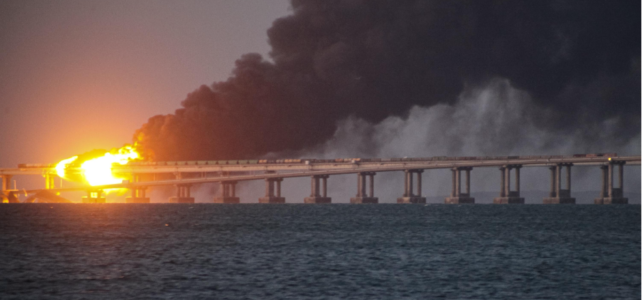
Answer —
(98, 170)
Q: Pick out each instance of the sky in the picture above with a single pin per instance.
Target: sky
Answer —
(83, 75)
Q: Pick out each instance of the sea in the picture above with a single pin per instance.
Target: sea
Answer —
(337, 251)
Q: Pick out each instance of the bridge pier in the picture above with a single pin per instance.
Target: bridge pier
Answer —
(557, 195)
(183, 194)
(94, 196)
(409, 195)
(7, 195)
(227, 194)
(138, 193)
(138, 196)
(610, 194)
(506, 196)
(272, 191)
(49, 181)
(6, 182)
(362, 196)
(456, 196)
(319, 196)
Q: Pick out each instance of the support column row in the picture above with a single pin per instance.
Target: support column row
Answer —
(456, 196)
(183, 194)
(6, 183)
(507, 195)
(94, 196)
(138, 193)
(610, 194)
(557, 194)
(272, 191)
(227, 193)
(319, 193)
(410, 195)
(7, 196)
(50, 180)
(362, 196)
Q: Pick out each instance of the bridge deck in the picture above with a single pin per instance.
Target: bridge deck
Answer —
(289, 170)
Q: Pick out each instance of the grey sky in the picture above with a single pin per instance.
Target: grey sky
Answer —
(79, 75)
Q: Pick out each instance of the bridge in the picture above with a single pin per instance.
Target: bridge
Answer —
(185, 174)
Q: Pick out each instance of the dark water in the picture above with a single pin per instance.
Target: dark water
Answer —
(319, 251)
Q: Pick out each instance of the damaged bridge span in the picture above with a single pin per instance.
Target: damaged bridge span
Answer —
(274, 172)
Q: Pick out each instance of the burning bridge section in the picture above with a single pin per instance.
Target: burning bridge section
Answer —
(123, 170)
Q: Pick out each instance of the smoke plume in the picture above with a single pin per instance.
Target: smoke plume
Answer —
(578, 62)
(495, 119)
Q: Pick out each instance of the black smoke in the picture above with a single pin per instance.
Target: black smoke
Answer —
(578, 60)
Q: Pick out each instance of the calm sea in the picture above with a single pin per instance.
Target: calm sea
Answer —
(297, 251)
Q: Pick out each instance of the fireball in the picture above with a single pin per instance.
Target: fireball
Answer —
(95, 167)
(62, 165)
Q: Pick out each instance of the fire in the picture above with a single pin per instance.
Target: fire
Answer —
(97, 170)
(60, 167)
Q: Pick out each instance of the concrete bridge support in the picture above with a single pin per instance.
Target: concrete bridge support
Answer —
(138, 193)
(50, 181)
(94, 196)
(409, 195)
(362, 196)
(506, 195)
(7, 195)
(319, 195)
(272, 191)
(557, 195)
(610, 194)
(6, 183)
(227, 194)
(183, 194)
(456, 196)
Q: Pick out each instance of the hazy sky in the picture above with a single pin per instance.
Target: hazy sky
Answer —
(79, 75)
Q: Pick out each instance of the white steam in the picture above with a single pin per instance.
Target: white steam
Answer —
(494, 120)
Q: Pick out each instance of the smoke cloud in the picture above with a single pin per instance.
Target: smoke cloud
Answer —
(491, 120)
(339, 67)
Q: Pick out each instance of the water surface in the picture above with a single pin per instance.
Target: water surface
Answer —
(253, 251)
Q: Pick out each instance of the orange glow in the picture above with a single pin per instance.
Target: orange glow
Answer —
(98, 170)
(62, 165)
